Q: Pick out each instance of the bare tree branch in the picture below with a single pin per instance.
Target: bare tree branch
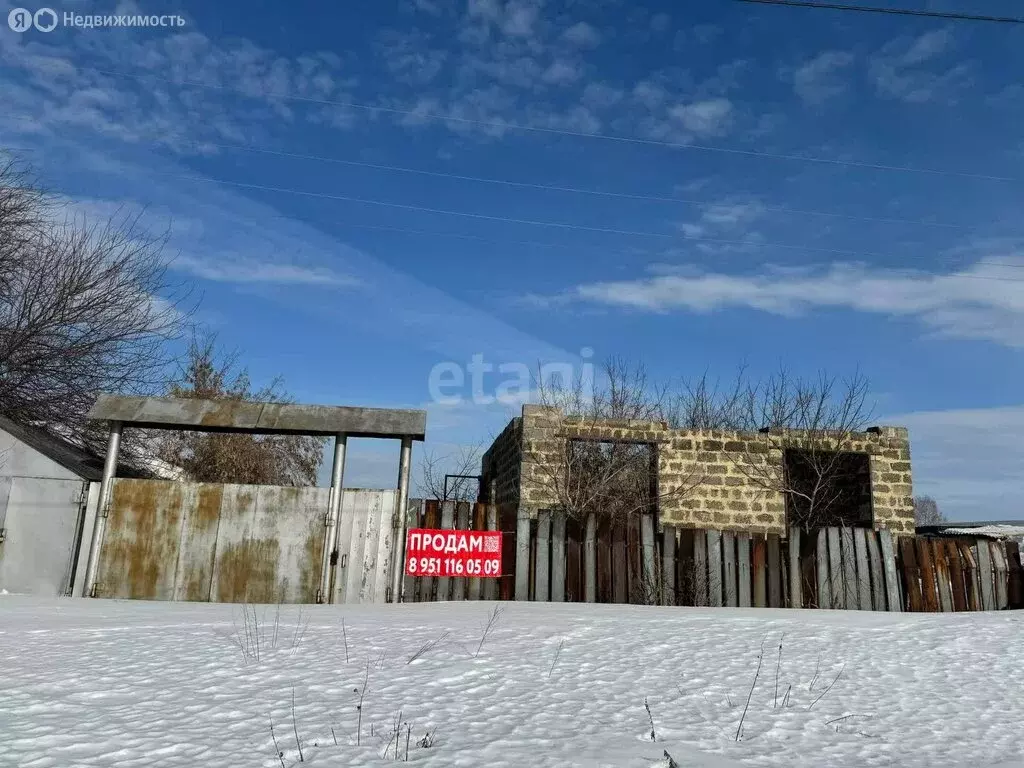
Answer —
(803, 451)
(808, 428)
(84, 308)
(926, 511)
(210, 374)
(434, 467)
(612, 480)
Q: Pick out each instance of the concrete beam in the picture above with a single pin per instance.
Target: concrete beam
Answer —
(259, 418)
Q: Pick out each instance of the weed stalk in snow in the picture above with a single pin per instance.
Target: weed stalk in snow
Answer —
(671, 762)
(827, 689)
(295, 729)
(277, 747)
(753, 684)
(495, 614)
(394, 737)
(256, 631)
(654, 735)
(428, 646)
(778, 666)
(408, 736)
(344, 636)
(428, 739)
(555, 660)
(300, 631)
(817, 668)
(359, 706)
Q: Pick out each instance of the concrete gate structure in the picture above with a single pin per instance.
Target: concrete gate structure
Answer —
(243, 543)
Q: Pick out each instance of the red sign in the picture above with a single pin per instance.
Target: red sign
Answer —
(473, 554)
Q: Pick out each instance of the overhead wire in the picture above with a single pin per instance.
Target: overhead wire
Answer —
(575, 190)
(612, 194)
(950, 15)
(551, 224)
(511, 126)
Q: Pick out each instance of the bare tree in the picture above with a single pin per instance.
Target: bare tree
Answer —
(706, 404)
(460, 466)
(806, 428)
(240, 458)
(84, 309)
(926, 511)
(799, 446)
(610, 479)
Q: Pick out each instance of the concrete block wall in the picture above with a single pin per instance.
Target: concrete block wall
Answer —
(502, 463)
(706, 479)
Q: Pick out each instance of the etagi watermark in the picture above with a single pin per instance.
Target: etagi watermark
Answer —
(47, 20)
(514, 381)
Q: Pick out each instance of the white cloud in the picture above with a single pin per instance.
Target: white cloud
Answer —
(582, 34)
(820, 79)
(970, 460)
(519, 19)
(62, 85)
(927, 46)
(911, 70)
(985, 301)
(561, 72)
(601, 95)
(730, 217)
(247, 271)
(409, 57)
(704, 118)
(649, 94)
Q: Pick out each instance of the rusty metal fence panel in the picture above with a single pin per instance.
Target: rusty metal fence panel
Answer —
(241, 543)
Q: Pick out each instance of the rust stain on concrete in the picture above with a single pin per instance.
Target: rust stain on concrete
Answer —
(206, 514)
(309, 564)
(199, 542)
(247, 571)
(228, 413)
(143, 534)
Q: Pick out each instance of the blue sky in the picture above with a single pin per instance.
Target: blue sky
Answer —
(364, 190)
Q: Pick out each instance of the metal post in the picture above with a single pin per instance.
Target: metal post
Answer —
(109, 469)
(402, 512)
(329, 561)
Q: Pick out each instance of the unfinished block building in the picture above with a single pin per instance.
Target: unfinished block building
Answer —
(755, 482)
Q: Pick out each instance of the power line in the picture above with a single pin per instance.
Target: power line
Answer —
(509, 126)
(574, 190)
(552, 224)
(559, 225)
(546, 187)
(893, 11)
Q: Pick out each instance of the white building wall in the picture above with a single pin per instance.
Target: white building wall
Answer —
(20, 460)
(41, 512)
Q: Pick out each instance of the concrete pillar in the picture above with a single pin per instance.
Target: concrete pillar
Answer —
(109, 470)
(329, 562)
(404, 464)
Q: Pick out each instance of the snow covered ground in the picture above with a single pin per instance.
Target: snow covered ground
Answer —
(103, 683)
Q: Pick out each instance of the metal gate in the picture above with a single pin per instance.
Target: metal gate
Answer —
(241, 543)
(40, 520)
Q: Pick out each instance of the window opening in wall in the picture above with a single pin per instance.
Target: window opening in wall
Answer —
(614, 480)
(826, 488)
